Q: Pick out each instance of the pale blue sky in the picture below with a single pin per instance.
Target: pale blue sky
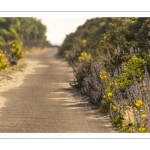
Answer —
(59, 27)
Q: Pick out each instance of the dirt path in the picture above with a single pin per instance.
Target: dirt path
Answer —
(40, 99)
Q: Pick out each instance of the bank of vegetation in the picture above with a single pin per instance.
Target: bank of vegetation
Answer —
(111, 62)
(17, 35)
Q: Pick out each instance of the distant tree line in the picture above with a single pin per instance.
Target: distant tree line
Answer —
(27, 31)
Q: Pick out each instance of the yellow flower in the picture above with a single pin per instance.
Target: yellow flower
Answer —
(110, 94)
(142, 129)
(102, 72)
(83, 54)
(143, 116)
(103, 77)
(138, 102)
(13, 50)
(1, 55)
(88, 56)
(104, 96)
(112, 107)
(66, 55)
(13, 45)
(84, 41)
(80, 58)
(104, 36)
(106, 91)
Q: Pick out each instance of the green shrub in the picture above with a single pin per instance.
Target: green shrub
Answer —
(132, 70)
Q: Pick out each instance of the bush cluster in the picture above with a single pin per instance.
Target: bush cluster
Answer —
(17, 35)
(111, 62)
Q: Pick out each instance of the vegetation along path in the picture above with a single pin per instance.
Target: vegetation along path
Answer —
(40, 99)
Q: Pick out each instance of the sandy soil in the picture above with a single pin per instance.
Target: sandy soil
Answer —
(13, 77)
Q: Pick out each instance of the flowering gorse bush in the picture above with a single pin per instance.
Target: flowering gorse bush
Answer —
(131, 109)
(16, 50)
(84, 41)
(10, 54)
(84, 56)
(107, 101)
(66, 54)
(3, 62)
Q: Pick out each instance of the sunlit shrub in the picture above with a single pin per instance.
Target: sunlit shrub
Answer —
(84, 41)
(3, 62)
(134, 107)
(107, 101)
(84, 56)
(66, 54)
(131, 70)
(16, 50)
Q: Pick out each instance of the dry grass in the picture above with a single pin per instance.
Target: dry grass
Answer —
(33, 50)
(11, 69)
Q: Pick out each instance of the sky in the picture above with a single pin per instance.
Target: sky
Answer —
(59, 27)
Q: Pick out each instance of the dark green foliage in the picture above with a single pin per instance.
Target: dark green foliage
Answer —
(117, 76)
(18, 34)
(132, 71)
(26, 30)
(117, 37)
(91, 31)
